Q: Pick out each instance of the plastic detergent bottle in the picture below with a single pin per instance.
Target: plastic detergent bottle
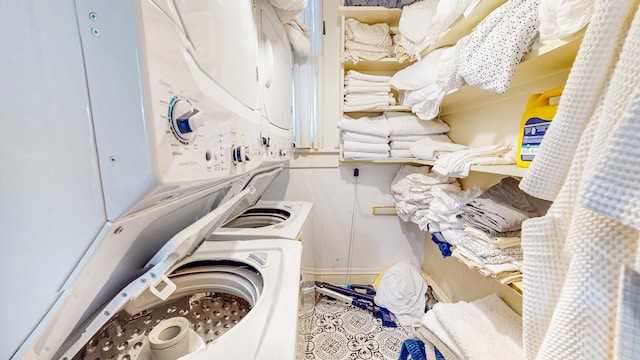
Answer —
(535, 121)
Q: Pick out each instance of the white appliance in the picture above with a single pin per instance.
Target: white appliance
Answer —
(266, 219)
(142, 124)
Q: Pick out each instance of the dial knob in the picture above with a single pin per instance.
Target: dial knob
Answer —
(240, 154)
(184, 119)
(283, 152)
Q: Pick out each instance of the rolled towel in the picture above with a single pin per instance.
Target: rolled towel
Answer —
(371, 139)
(371, 126)
(402, 123)
(355, 146)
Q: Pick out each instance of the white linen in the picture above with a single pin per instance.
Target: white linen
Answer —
(578, 247)
(432, 150)
(298, 34)
(363, 89)
(377, 126)
(488, 57)
(368, 83)
(366, 42)
(424, 72)
(402, 291)
(408, 124)
(415, 138)
(352, 74)
(458, 163)
(372, 139)
(369, 106)
(482, 329)
(562, 18)
(355, 146)
(364, 155)
(373, 101)
(399, 153)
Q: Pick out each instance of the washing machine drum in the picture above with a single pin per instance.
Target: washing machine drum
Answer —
(258, 217)
(211, 297)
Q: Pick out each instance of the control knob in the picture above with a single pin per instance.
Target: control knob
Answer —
(240, 154)
(184, 120)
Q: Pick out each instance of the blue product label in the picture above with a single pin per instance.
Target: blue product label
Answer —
(534, 130)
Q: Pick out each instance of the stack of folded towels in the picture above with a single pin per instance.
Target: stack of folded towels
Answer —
(485, 328)
(366, 91)
(405, 129)
(365, 137)
(366, 42)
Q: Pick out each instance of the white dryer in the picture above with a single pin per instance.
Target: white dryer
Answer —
(161, 135)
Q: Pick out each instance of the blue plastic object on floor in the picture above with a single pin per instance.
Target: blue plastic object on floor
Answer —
(416, 349)
(412, 347)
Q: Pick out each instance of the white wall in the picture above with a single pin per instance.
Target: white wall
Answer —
(378, 242)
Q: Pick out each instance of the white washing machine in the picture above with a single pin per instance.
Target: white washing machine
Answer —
(163, 130)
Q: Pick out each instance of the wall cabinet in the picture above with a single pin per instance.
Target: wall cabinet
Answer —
(476, 117)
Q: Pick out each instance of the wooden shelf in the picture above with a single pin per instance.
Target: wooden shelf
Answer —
(507, 170)
(386, 65)
(536, 67)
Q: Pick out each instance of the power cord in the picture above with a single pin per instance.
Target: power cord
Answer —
(347, 278)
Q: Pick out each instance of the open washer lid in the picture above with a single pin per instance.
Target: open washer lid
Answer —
(154, 278)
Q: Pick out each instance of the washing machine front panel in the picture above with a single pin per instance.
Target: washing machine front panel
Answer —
(171, 114)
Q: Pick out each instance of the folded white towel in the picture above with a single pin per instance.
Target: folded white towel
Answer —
(363, 89)
(352, 74)
(408, 124)
(400, 154)
(379, 95)
(458, 163)
(371, 126)
(360, 82)
(482, 329)
(364, 155)
(371, 139)
(355, 146)
(431, 150)
(493, 241)
(389, 100)
(371, 106)
(436, 137)
(356, 52)
(400, 145)
(376, 34)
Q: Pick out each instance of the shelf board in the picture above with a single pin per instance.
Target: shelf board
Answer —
(541, 64)
(372, 14)
(382, 109)
(387, 65)
(464, 25)
(508, 170)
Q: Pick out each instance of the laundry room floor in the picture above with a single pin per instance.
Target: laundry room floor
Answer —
(337, 331)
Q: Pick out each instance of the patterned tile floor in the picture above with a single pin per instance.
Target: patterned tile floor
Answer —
(337, 331)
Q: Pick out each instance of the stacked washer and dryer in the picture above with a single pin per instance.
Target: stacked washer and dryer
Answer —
(182, 111)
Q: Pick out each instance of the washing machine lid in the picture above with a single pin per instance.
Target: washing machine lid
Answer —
(259, 182)
(275, 69)
(155, 278)
(221, 37)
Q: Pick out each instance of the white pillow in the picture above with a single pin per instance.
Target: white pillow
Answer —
(415, 20)
(423, 73)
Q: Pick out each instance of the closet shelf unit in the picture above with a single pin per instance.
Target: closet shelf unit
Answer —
(543, 65)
